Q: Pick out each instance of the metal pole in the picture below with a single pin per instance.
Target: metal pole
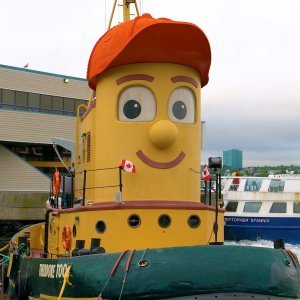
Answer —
(84, 183)
(209, 194)
(120, 179)
(217, 208)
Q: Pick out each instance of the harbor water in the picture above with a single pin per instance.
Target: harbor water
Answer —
(265, 243)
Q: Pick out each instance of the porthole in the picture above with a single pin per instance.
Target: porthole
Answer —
(74, 230)
(194, 221)
(100, 226)
(164, 221)
(134, 221)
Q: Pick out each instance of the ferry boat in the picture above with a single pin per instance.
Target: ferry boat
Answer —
(136, 229)
(262, 208)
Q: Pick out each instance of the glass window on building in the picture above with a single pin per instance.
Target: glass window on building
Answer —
(252, 207)
(69, 105)
(8, 98)
(46, 103)
(58, 105)
(21, 100)
(33, 102)
(79, 102)
(253, 185)
(278, 208)
(231, 206)
(296, 208)
(0, 97)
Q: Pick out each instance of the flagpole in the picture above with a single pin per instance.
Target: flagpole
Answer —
(120, 179)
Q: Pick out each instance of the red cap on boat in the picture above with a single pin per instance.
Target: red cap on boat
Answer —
(149, 40)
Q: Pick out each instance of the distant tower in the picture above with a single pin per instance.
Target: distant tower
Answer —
(233, 159)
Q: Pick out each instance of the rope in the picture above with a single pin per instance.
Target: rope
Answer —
(127, 269)
(4, 248)
(66, 281)
(112, 272)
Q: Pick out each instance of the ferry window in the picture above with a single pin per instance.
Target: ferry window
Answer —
(58, 105)
(276, 185)
(278, 208)
(0, 97)
(8, 97)
(134, 221)
(182, 106)
(253, 184)
(164, 221)
(33, 100)
(231, 206)
(137, 103)
(21, 100)
(252, 207)
(296, 208)
(100, 226)
(194, 221)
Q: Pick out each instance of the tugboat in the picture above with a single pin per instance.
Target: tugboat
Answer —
(129, 223)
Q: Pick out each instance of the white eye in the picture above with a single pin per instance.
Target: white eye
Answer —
(137, 103)
(182, 106)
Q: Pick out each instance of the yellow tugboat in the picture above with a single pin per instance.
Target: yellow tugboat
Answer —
(129, 223)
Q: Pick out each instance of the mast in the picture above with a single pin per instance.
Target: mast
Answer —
(126, 10)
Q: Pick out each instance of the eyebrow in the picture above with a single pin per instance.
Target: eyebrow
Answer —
(185, 79)
(134, 77)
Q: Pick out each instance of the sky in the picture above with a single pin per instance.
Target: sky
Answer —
(252, 101)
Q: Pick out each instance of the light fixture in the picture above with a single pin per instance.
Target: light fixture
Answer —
(215, 162)
(66, 80)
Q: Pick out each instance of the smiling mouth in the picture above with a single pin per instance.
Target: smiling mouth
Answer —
(160, 165)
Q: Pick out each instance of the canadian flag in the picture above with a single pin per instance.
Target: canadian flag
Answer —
(205, 174)
(128, 166)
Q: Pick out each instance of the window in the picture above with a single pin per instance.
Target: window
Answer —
(8, 97)
(252, 207)
(276, 185)
(21, 100)
(164, 221)
(46, 103)
(279, 208)
(69, 105)
(79, 102)
(58, 105)
(253, 185)
(296, 208)
(34, 101)
(134, 221)
(231, 206)
(194, 221)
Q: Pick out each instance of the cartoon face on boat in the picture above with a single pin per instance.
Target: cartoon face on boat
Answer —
(148, 74)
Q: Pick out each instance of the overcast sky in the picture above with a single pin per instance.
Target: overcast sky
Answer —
(252, 101)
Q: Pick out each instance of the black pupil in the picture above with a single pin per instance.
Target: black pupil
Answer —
(132, 109)
(179, 110)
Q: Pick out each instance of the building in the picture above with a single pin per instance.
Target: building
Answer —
(35, 107)
(233, 159)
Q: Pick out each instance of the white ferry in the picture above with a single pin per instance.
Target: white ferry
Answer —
(262, 208)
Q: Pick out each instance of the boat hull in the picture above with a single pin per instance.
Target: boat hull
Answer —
(166, 273)
(254, 228)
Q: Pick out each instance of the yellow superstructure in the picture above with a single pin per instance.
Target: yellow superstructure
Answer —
(146, 76)
(160, 137)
